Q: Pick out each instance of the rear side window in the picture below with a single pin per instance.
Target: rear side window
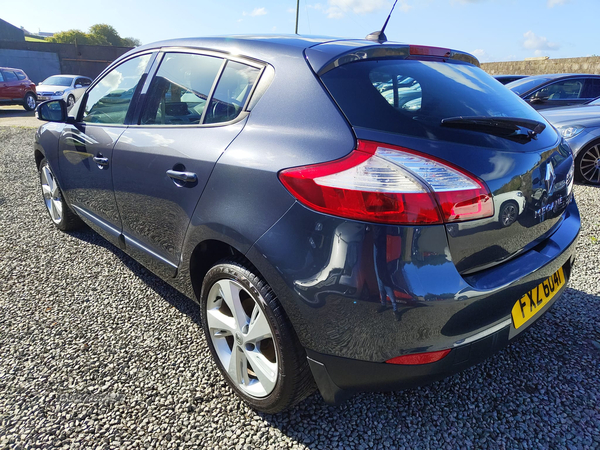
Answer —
(412, 97)
(231, 93)
(9, 75)
(21, 75)
(180, 89)
(108, 101)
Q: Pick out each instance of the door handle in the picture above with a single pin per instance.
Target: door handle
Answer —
(101, 160)
(185, 177)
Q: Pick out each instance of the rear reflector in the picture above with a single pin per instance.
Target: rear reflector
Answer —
(419, 358)
(388, 184)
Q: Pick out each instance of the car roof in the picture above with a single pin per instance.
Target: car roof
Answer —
(11, 68)
(554, 76)
(267, 48)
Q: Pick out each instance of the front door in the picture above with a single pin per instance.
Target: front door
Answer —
(86, 147)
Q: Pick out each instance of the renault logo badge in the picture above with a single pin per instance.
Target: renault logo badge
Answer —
(550, 178)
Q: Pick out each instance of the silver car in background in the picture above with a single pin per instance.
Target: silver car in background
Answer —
(66, 87)
(580, 126)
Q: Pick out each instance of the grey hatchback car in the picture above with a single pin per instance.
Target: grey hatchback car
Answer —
(349, 214)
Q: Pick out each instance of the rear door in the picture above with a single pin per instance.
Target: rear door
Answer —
(194, 108)
(12, 85)
(86, 147)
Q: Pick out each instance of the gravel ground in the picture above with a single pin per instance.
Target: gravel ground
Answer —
(96, 352)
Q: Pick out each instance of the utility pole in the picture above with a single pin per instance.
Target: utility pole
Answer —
(297, 14)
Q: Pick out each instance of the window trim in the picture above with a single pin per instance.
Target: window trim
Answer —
(128, 116)
(201, 52)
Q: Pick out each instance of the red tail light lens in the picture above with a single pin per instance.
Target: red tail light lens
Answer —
(388, 184)
(419, 358)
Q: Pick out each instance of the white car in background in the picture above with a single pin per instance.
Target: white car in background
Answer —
(66, 87)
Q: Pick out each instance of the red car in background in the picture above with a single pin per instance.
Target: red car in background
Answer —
(16, 88)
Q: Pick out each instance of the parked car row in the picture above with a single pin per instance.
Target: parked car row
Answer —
(571, 103)
(17, 89)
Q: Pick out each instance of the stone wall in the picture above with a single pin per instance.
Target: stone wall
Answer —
(590, 64)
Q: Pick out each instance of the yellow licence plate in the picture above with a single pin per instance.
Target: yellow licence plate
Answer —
(532, 302)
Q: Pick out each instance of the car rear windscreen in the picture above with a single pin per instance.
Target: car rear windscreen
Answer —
(412, 97)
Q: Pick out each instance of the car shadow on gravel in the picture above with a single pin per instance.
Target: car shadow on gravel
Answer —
(540, 391)
(163, 289)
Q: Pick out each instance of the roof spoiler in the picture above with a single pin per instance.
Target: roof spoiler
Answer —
(395, 51)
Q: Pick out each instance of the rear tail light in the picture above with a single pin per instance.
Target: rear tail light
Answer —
(419, 358)
(388, 184)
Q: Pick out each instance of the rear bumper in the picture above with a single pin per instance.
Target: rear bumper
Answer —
(339, 378)
(359, 294)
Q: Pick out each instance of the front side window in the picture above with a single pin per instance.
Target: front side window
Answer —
(180, 89)
(83, 82)
(561, 90)
(108, 101)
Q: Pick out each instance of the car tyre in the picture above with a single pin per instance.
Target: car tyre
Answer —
(70, 101)
(509, 211)
(252, 340)
(29, 102)
(63, 217)
(587, 164)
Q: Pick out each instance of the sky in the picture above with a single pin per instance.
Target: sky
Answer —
(492, 30)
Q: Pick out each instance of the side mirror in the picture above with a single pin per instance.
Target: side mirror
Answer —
(78, 86)
(52, 111)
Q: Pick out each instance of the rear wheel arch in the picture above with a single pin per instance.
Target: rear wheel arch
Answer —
(39, 156)
(205, 255)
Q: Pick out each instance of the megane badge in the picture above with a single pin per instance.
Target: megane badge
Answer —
(550, 178)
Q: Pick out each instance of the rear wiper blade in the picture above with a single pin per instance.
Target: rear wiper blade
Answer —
(503, 126)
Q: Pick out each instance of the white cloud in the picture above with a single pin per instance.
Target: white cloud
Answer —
(256, 12)
(538, 43)
(482, 55)
(553, 3)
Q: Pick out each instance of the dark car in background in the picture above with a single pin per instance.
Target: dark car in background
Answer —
(580, 126)
(556, 90)
(337, 208)
(16, 88)
(505, 79)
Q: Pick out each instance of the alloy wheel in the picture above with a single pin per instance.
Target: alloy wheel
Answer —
(589, 165)
(51, 194)
(509, 214)
(30, 102)
(242, 337)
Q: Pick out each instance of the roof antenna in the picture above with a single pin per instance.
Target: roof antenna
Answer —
(379, 36)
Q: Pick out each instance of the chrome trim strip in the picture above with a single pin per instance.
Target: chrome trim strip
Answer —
(140, 247)
(483, 333)
(101, 223)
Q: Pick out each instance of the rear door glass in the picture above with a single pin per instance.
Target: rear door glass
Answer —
(180, 89)
(231, 93)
